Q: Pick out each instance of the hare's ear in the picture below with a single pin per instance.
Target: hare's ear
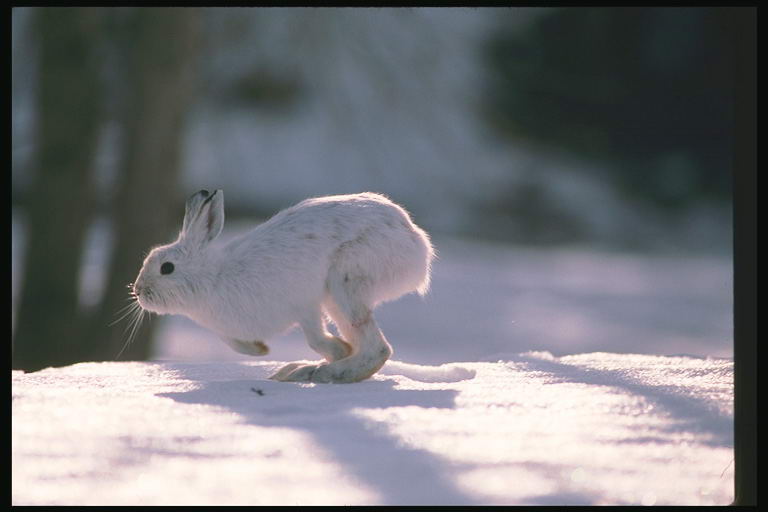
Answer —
(203, 217)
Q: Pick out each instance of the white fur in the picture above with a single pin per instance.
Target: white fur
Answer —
(338, 256)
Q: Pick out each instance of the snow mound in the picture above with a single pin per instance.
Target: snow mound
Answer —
(423, 373)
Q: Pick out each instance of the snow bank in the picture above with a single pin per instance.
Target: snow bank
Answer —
(442, 373)
(596, 428)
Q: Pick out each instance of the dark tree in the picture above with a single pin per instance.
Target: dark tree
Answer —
(153, 63)
(61, 196)
(646, 90)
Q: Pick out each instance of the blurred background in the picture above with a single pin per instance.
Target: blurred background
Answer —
(572, 164)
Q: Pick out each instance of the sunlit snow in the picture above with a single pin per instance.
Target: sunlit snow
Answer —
(534, 429)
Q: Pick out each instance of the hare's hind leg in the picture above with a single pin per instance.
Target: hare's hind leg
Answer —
(353, 316)
(331, 347)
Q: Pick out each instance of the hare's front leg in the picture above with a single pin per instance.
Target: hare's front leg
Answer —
(331, 347)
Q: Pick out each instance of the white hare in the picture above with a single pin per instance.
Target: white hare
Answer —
(338, 256)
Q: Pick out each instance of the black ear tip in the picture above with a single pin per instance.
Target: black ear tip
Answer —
(208, 197)
(203, 193)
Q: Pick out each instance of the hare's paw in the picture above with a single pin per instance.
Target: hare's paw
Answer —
(322, 373)
(305, 373)
(283, 372)
(298, 372)
(333, 373)
(256, 348)
(338, 372)
(251, 348)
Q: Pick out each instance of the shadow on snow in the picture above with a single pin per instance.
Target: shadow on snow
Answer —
(398, 473)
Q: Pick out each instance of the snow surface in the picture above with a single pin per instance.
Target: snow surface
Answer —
(597, 428)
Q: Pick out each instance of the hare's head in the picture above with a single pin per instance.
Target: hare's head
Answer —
(180, 274)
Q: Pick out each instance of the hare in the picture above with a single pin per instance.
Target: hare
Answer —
(336, 256)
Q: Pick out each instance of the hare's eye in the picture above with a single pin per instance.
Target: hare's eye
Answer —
(166, 268)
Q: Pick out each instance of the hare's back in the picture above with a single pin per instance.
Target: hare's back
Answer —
(364, 235)
(339, 218)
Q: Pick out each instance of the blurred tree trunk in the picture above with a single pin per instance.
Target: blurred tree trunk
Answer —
(61, 196)
(159, 86)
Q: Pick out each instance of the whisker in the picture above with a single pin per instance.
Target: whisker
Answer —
(130, 302)
(124, 312)
(133, 325)
(132, 318)
(135, 315)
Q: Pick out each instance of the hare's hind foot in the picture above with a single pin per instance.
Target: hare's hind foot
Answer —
(296, 372)
(322, 373)
(283, 373)
(350, 369)
(333, 348)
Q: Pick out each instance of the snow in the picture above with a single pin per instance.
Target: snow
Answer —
(596, 428)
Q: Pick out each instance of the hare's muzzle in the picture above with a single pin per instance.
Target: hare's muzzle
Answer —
(142, 293)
